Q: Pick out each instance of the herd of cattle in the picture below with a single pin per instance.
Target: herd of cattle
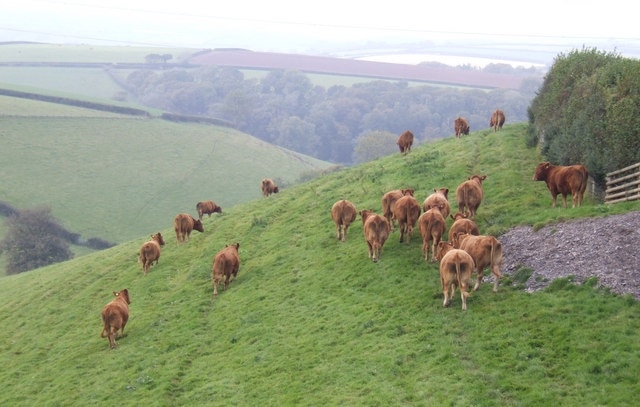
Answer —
(226, 262)
(465, 251)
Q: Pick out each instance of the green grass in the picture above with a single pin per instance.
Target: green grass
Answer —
(119, 178)
(312, 321)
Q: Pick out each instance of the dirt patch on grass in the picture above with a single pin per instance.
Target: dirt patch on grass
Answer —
(607, 248)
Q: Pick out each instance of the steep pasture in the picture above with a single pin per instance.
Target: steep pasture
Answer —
(117, 177)
(312, 321)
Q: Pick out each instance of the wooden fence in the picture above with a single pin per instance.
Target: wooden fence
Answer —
(623, 185)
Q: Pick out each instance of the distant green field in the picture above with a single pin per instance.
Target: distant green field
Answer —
(118, 178)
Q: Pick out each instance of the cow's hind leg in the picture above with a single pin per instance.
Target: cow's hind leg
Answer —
(480, 275)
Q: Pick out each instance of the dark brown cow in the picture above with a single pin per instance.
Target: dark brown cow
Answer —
(376, 232)
(456, 267)
(207, 207)
(460, 126)
(563, 180)
(486, 251)
(389, 203)
(269, 187)
(432, 227)
(150, 252)
(406, 211)
(462, 224)
(183, 224)
(226, 264)
(115, 316)
(439, 199)
(405, 141)
(343, 213)
(497, 120)
(469, 195)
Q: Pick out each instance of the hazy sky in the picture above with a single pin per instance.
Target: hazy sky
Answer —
(287, 25)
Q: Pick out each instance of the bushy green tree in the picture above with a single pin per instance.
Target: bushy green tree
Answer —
(374, 144)
(34, 239)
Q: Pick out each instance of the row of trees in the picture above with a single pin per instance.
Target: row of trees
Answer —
(285, 108)
(588, 111)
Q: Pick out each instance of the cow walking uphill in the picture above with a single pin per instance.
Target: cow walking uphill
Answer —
(438, 199)
(486, 251)
(389, 203)
(405, 141)
(115, 316)
(456, 267)
(376, 232)
(563, 180)
(461, 224)
(469, 195)
(406, 211)
(150, 252)
(432, 227)
(497, 120)
(343, 214)
(226, 264)
(207, 208)
(460, 126)
(269, 187)
(183, 224)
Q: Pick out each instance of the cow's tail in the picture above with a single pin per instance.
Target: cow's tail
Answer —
(105, 326)
(496, 250)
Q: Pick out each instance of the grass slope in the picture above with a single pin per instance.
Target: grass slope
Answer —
(118, 178)
(313, 321)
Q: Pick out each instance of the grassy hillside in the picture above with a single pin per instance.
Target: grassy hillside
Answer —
(312, 321)
(118, 178)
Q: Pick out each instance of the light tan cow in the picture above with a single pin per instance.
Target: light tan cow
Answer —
(456, 267)
(469, 195)
(461, 224)
(376, 231)
(406, 211)
(438, 199)
(389, 202)
(486, 251)
(183, 224)
(115, 316)
(150, 252)
(497, 120)
(226, 264)
(432, 227)
(343, 214)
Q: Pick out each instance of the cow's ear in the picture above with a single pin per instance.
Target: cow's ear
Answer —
(115, 293)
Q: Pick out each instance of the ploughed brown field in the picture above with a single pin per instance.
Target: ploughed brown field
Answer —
(342, 66)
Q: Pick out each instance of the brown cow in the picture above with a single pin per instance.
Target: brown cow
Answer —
(389, 203)
(343, 213)
(226, 264)
(469, 195)
(460, 126)
(115, 316)
(439, 199)
(183, 224)
(405, 141)
(432, 226)
(462, 224)
(406, 211)
(150, 252)
(269, 187)
(497, 120)
(456, 267)
(563, 180)
(376, 232)
(207, 207)
(486, 251)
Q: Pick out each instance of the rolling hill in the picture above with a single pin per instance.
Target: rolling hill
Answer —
(311, 320)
